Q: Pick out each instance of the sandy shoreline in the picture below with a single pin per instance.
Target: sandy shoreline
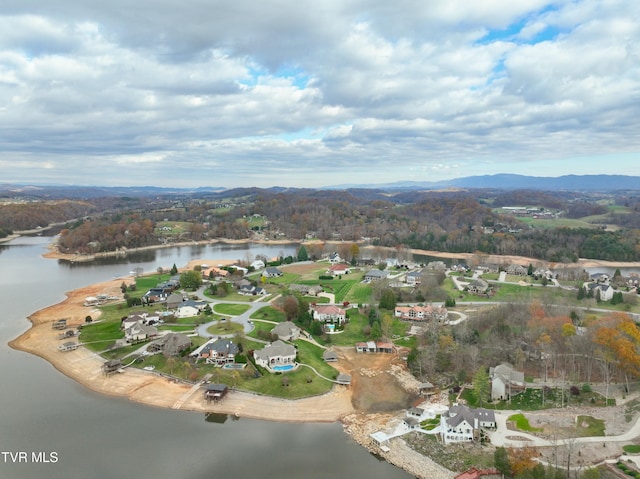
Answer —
(149, 388)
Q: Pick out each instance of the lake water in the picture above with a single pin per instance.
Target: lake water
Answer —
(75, 433)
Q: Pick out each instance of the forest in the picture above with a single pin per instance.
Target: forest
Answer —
(590, 225)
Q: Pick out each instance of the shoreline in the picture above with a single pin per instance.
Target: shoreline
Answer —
(584, 263)
(151, 389)
(85, 367)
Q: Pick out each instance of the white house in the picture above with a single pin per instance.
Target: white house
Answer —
(328, 313)
(599, 290)
(277, 353)
(257, 264)
(187, 312)
(463, 424)
(505, 382)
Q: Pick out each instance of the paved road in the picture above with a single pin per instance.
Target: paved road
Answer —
(506, 437)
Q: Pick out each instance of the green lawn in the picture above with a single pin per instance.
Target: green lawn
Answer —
(99, 336)
(588, 426)
(300, 383)
(259, 326)
(225, 327)
(522, 423)
(631, 448)
(270, 313)
(230, 309)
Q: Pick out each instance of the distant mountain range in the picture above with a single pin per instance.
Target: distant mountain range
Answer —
(591, 183)
(517, 182)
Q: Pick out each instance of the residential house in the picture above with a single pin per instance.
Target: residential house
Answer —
(339, 269)
(308, 290)
(187, 311)
(171, 344)
(437, 265)
(257, 264)
(251, 290)
(599, 277)
(601, 291)
(488, 268)
(217, 351)
(413, 278)
(138, 331)
(478, 286)
(463, 424)
(540, 273)
(375, 274)
(517, 269)
(277, 353)
(271, 272)
(416, 412)
(214, 273)
(174, 300)
(505, 382)
(421, 313)
(335, 258)
(286, 331)
(328, 313)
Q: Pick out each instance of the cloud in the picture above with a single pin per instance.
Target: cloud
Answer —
(302, 92)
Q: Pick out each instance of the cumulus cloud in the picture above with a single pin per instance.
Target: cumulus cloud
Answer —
(299, 92)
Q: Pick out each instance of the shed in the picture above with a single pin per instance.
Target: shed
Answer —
(343, 379)
(330, 356)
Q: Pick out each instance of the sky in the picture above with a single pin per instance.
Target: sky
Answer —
(308, 93)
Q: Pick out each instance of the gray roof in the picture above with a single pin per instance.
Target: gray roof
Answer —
(277, 348)
(376, 273)
(286, 328)
(506, 374)
(459, 413)
(221, 346)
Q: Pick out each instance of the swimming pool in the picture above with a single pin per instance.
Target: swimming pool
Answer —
(285, 367)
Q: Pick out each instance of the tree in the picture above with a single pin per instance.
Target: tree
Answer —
(387, 299)
(291, 308)
(501, 461)
(530, 270)
(302, 254)
(190, 280)
(376, 331)
(449, 302)
(481, 384)
(174, 269)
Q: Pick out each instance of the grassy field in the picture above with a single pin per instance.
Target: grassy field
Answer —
(225, 327)
(229, 309)
(522, 423)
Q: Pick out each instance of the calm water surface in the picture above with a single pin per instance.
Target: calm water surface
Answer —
(98, 437)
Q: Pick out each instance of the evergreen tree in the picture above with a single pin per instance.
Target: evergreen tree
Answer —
(387, 299)
(501, 461)
(581, 292)
(481, 385)
(174, 269)
(530, 270)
